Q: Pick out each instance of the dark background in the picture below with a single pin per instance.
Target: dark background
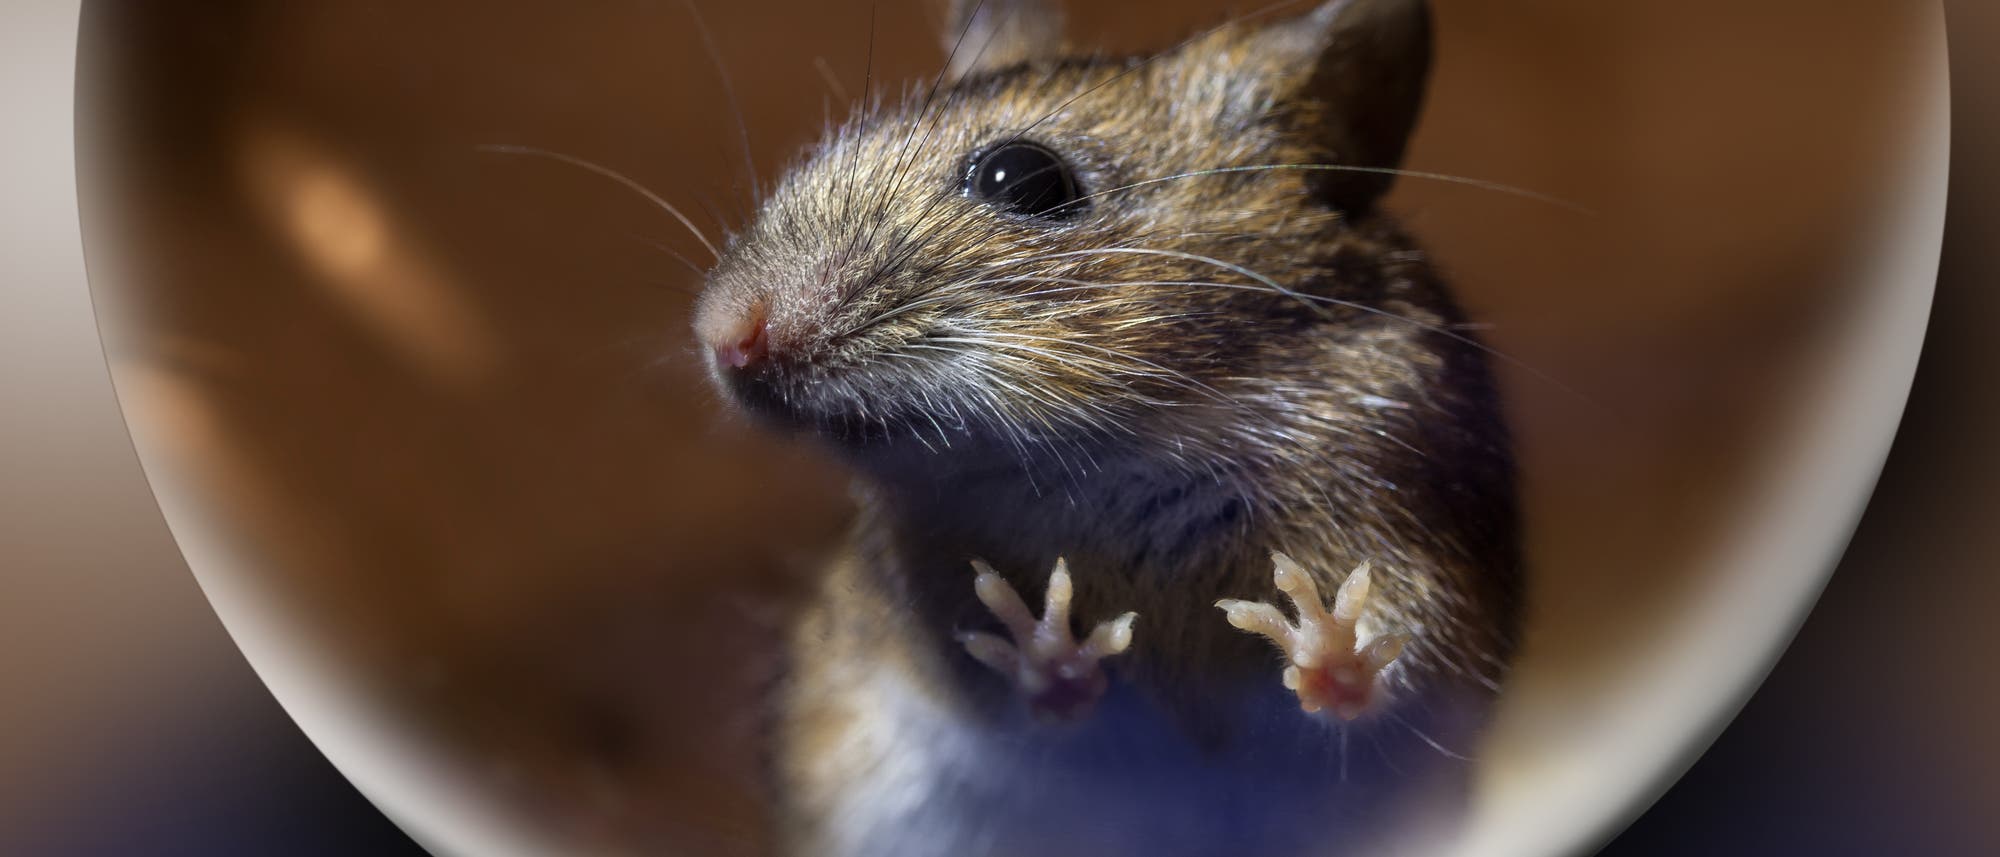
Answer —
(1872, 737)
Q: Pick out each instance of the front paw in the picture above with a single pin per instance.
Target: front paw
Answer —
(1059, 677)
(1327, 666)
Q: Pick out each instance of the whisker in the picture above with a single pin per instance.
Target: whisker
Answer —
(1227, 266)
(1056, 357)
(662, 247)
(728, 91)
(606, 172)
(909, 153)
(1427, 739)
(1256, 423)
(1273, 286)
(1096, 415)
(831, 80)
(951, 98)
(1481, 184)
(847, 136)
(1156, 370)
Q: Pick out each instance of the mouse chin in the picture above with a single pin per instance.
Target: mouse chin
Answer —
(892, 428)
(841, 422)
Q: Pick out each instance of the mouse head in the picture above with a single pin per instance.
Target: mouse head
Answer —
(1049, 250)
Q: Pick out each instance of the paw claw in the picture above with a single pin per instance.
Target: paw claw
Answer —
(1353, 595)
(1110, 638)
(1384, 650)
(990, 650)
(1257, 618)
(1006, 604)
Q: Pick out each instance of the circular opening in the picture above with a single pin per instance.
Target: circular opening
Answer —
(430, 423)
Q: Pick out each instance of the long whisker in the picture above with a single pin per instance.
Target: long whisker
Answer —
(1119, 361)
(1125, 361)
(1481, 184)
(1101, 369)
(832, 80)
(662, 247)
(909, 153)
(1096, 414)
(1003, 366)
(937, 120)
(1099, 372)
(729, 92)
(868, 72)
(614, 175)
(1448, 753)
(847, 138)
(1273, 286)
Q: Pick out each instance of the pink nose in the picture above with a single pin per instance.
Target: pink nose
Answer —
(747, 345)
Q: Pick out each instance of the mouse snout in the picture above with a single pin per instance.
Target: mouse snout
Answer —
(748, 344)
(755, 353)
(739, 337)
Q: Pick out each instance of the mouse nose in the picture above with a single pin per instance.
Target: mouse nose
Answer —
(746, 343)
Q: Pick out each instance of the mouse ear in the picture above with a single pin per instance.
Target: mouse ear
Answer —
(1358, 70)
(982, 35)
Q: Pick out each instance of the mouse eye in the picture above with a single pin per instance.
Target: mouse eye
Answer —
(1024, 178)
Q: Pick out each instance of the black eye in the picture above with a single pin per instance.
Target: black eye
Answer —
(1024, 178)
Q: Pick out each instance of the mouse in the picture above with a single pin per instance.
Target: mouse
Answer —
(1185, 506)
